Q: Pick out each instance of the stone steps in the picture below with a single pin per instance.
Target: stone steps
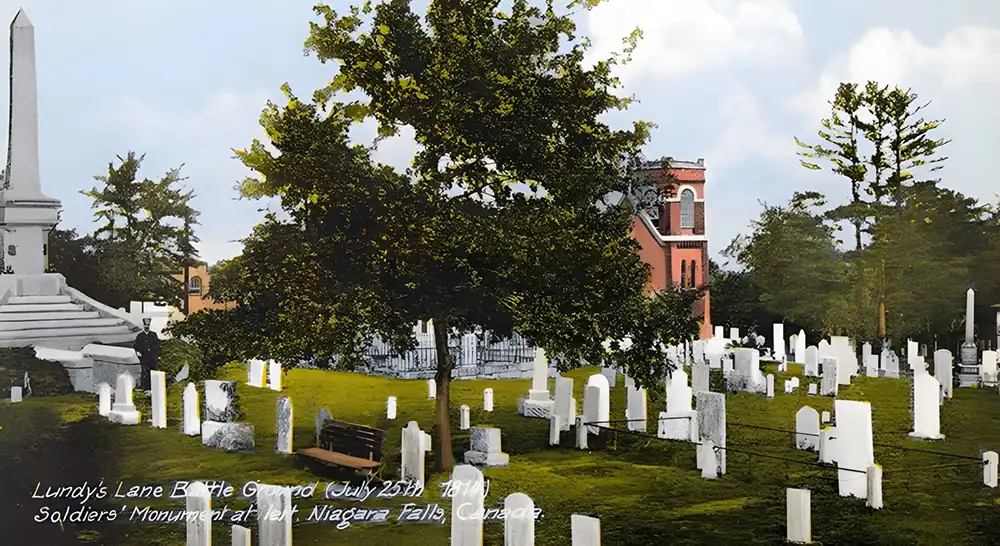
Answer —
(73, 339)
(33, 300)
(49, 315)
(8, 309)
(78, 322)
(74, 331)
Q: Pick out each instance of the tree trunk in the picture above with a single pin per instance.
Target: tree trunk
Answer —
(443, 456)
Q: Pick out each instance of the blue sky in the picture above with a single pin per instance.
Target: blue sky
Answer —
(731, 81)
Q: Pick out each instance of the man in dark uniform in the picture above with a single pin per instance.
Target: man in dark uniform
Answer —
(147, 348)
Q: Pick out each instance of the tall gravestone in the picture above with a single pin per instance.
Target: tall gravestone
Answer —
(968, 373)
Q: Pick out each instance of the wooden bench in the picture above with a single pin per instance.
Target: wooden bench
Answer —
(346, 446)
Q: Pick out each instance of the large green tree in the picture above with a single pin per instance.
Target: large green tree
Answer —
(791, 257)
(145, 233)
(497, 101)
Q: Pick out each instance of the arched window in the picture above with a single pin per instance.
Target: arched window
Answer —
(693, 283)
(687, 209)
(194, 285)
(683, 272)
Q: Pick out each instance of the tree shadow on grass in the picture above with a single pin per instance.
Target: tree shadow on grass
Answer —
(39, 449)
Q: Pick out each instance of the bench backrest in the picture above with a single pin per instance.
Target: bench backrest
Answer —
(354, 440)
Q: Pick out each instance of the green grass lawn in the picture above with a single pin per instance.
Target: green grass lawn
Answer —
(645, 491)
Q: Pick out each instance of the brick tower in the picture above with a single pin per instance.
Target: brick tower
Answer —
(673, 237)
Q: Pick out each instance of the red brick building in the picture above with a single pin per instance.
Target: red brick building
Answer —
(673, 237)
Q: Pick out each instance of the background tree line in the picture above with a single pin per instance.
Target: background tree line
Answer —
(894, 261)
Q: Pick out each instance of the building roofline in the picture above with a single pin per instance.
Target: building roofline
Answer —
(678, 164)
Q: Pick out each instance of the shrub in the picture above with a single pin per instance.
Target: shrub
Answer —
(176, 353)
(46, 378)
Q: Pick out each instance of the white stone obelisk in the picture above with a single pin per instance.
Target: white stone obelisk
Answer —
(968, 353)
(26, 215)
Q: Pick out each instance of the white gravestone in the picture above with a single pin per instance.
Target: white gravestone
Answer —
(708, 459)
(988, 369)
(719, 332)
(220, 401)
(800, 347)
(413, 453)
(463, 417)
(810, 367)
(867, 360)
(747, 376)
(807, 429)
(714, 349)
(104, 399)
(829, 384)
(770, 385)
(828, 445)
(158, 398)
(889, 363)
(711, 408)
(676, 425)
(241, 536)
(555, 428)
(123, 411)
(854, 446)
(799, 515)
(700, 378)
(734, 333)
(191, 425)
(581, 430)
(431, 389)
(926, 407)
(825, 417)
(488, 400)
(635, 411)
(847, 360)
(698, 350)
(256, 370)
(284, 425)
(584, 531)
(789, 387)
(469, 493)
(539, 391)
(274, 515)
(198, 504)
(565, 404)
(519, 525)
(612, 375)
(943, 371)
(485, 449)
(812, 389)
(274, 375)
(873, 480)
(778, 342)
(913, 358)
(601, 410)
(15, 395)
(390, 408)
(991, 461)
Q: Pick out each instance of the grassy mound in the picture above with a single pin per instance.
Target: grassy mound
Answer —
(47, 378)
(645, 491)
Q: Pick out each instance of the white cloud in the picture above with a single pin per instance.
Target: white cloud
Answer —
(744, 133)
(686, 36)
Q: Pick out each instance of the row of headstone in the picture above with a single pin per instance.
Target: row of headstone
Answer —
(469, 495)
(258, 370)
(274, 516)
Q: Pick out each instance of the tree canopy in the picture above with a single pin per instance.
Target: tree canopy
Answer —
(500, 221)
